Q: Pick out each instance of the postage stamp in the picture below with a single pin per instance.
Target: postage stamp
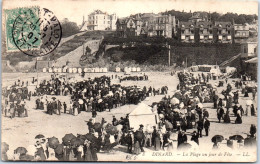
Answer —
(34, 31)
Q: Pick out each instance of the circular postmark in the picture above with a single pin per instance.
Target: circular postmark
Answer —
(36, 32)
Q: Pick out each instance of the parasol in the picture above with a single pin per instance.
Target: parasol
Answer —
(176, 110)
(53, 142)
(76, 142)
(81, 101)
(200, 105)
(161, 115)
(67, 139)
(59, 149)
(236, 137)
(90, 137)
(175, 101)
(110, 129)
(181, 105)
(39, 136)
(4, 147)
(20, 150)
(217, 138)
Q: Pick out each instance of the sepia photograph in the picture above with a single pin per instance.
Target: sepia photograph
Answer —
(129, 81)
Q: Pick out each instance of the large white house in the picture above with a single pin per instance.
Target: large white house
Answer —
(99, 20)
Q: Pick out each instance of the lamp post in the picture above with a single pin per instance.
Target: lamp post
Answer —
(169, 53)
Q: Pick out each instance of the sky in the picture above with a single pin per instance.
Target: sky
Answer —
(75, 9)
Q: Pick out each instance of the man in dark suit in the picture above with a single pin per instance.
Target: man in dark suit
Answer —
(65, 107)
(129, 141)
(200, 127)
(206, 126)
(140, 137)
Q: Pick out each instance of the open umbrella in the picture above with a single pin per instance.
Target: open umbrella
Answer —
(4, 147)
(217, 138)
(111, 130)
(80, 101)
(236, 137)
(91, 137)
(39, 136)
(161, 115)
(77, 142)
(53, 142)
(67, 139)
(59, 149)
(176, 110)
(250, 142)
(200, 105)
(20, 150)
(175, 101)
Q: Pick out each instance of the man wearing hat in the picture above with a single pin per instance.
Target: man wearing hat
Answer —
(129, 140)
(195, 137)
(114, 121)
(206, 126)
(140, 137)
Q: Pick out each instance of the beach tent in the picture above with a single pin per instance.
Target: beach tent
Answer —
(44, 70)
(59, 70)
(79, 70)
(85, 70)
(70, 70)
(97, 69)
(50, 70)
(127, 70)
(133, 69)
(55, 69)
(64, 70)
(75, 70)
(92, 70)
(142, 114)
(105, 70)
(118, 69)
(138, 69)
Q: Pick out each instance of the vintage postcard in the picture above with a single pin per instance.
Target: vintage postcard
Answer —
(127, 80)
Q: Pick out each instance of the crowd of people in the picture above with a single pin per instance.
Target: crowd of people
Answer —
(178, 113)
(134, 78)
(14, 100)
(92, 95)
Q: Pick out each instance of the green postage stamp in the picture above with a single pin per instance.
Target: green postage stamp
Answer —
(22, 31)
(33, 31)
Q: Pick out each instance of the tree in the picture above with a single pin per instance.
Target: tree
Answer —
(214, 16)
(240, 19)
(69, 28)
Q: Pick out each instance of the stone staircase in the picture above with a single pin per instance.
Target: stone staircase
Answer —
(227, 62)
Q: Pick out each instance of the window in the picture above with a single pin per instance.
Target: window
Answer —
(254, 50)
(210, 31)
(192, 31)
(182, 31)
(219, 31)
(228, 31)
(96, 21)
(104, 17)
(104, 22)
